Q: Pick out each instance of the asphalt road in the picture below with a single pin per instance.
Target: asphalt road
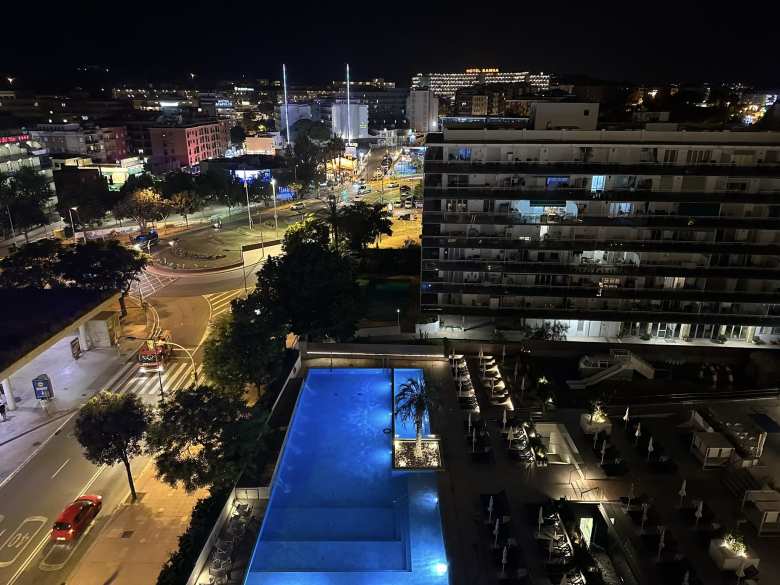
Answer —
(58, 473)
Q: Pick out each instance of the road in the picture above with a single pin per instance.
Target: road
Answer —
(32, 499)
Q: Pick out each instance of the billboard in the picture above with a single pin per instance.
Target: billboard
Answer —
(263, 175)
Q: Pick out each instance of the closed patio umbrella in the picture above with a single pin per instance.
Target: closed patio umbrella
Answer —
(603, 450)
(504, 559)
(626, 417)
(650, 448)
(503, 420)
(699, 512)
(495, 533)
(661, 542)
(540, 519)
(638, 433)
(682, 493)
(686, 578)
(490, 509)
(644, 515)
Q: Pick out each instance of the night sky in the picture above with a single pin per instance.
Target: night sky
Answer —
(638, 41)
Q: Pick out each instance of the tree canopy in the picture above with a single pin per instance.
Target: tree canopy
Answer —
(313, 290)
(246, 347)
(203, 437)
(361, 223)
(142, 206)
(24, 195)
(111, 427)
(35, 265)
(102, 265)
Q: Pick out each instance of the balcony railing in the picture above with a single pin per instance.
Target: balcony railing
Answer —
(588, 243)
(516, 192)
(517, 265)
(605, 168)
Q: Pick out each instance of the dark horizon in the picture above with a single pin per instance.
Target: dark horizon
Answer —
(676, 43)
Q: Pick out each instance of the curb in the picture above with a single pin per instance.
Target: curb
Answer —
(54, 418)
(166, 271)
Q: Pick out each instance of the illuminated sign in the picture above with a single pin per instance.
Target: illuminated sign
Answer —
(483, 70)
(224, 104)
(263, 175)
(12, 139)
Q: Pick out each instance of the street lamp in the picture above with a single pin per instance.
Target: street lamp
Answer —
(248, 209)
(176, 345)
(276, 220)
(398, 317)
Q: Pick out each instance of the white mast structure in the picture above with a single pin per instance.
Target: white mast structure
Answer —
(286, 113)
(349, 118)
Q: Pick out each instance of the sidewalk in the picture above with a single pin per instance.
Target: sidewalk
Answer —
(74, 381)
(138, 538)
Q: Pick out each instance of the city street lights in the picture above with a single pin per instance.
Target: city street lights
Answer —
(276, 220)
(248, 209)
(398, 317)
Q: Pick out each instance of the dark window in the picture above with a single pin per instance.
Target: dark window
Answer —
(587, 112)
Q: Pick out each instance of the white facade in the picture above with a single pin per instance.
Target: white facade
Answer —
(354, 127)
(564, 115)
(295, 111)
(632, 234)
(422, 110)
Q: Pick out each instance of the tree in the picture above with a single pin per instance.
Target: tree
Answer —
(92, 201)
(307, 160)
(218, 186)
(103, 266)
(138, 183)
(362, 223)
(311, 230)
(203, 437)
(237, 135)
(313, 290)
(180, 191)
(27, 193)
(415, 398)
(111, 427)
(142, 206)
(245, 347)
(34, 265)
(333, 217)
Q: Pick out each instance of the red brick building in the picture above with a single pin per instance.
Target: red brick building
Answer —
(185, 145)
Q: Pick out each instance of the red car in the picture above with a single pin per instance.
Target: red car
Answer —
(76, 517)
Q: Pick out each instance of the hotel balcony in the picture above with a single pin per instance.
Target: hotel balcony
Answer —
(596, 168)
(670, 245)
(516, 192)
(646, 269)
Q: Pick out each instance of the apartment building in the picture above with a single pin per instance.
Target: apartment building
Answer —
(422, 110)
(176, 146)
(608, 233)
(445, 85)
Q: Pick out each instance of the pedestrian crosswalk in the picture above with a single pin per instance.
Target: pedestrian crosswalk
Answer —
(176, 374)
(149, 283)
(219, 303)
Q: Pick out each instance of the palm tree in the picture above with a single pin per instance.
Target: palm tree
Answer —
(333, 216)
(415, 398)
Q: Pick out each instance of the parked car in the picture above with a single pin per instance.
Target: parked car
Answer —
(297, 206)
(74, 519)
(392, 185)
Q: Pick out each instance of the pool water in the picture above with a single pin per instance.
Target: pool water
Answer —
(338, 512)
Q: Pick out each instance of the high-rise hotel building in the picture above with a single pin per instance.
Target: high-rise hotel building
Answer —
(445, 85)
(611, 233)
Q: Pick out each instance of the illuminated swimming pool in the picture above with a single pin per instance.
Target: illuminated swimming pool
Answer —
(339, 514)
